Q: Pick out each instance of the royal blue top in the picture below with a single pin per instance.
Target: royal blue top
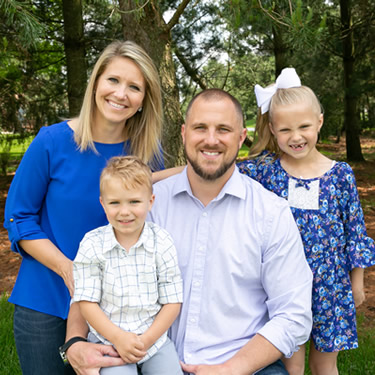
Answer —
(54, 194)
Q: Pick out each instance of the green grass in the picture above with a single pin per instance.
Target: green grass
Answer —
(8, 356)
(360, 361)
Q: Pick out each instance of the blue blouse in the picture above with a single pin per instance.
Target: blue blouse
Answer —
(54, 194)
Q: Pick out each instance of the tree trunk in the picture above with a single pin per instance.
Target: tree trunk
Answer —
(351, 120)
(75, 54)
(280, 50)
(147, 28)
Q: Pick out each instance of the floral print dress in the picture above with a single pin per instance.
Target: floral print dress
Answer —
(330, 218)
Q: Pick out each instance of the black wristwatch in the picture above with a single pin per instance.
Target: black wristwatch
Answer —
(67, 345)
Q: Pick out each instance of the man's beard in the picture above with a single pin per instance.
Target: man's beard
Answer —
(213, 175)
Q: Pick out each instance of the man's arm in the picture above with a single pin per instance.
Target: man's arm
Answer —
(87, 358)
(255, 355)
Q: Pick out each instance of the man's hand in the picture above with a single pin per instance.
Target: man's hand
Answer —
(206, 369)
(88, 358)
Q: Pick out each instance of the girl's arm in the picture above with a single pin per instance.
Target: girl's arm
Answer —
(164, 319)
(357, 279)
(128, 344)
(165, 173)
(45, 252)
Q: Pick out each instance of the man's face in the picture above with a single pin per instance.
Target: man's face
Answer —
(212, 136)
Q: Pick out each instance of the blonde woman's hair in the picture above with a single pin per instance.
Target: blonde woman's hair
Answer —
(264, 139)
(143, 129)
(131, 170)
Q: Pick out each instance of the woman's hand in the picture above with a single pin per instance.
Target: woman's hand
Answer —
(45, 252)
(66, 272)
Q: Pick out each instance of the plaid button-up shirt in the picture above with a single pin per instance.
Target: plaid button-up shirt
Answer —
(130, 287)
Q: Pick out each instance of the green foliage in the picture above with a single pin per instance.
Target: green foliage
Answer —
(12, 148)
(21, 22)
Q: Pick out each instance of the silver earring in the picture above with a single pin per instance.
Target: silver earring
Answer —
(140, 109)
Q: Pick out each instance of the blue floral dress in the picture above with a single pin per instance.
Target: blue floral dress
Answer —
(330, 218)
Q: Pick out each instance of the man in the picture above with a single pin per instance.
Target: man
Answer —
(247, 285)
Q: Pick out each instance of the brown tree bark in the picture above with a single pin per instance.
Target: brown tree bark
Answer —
(75, 54)
(146, 26)
(351, 116)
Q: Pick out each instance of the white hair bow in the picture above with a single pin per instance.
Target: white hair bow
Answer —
(287, 78)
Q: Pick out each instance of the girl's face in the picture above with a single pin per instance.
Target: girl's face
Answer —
(296, 128)
(120, 91)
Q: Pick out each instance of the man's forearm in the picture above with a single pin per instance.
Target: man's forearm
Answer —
(76, 325)
(255, 355)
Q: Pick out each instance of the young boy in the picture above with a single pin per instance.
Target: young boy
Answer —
(126, 275)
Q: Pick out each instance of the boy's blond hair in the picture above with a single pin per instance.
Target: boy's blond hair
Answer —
(131, 170)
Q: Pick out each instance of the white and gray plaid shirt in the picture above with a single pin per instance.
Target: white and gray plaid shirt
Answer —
(129, 287)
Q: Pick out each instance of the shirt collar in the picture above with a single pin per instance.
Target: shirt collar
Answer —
(145, 239)
(234, 186)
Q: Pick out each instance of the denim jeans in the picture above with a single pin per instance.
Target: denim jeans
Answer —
(38, 337)
(276, 368)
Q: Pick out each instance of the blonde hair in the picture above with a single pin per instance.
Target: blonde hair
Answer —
(131, 170)
(265, 140)
(143, 129)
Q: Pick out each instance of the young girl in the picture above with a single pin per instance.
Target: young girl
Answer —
(324, 200)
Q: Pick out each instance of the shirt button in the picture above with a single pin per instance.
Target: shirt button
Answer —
(204, 214)
(192, 320)
(197, 283)
(11, 220)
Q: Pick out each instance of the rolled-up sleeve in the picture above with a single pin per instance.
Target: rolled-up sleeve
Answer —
(287, 280)
(27, 193)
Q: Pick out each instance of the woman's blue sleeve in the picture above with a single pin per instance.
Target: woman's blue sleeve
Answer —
(27, 193)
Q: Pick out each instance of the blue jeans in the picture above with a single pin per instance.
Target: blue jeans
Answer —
(276, 368)
(38, 337)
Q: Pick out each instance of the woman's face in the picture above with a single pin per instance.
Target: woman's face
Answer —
(120, 91)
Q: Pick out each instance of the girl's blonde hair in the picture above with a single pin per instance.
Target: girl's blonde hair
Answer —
(143, 129)
(265, 140)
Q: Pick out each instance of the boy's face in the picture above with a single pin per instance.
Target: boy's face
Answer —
(126, 209)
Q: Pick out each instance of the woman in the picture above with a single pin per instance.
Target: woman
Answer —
(54, 197)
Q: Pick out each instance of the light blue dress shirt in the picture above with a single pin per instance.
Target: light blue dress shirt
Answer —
(243, 268)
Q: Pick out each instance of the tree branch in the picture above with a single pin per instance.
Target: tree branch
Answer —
(180, 9)
(192, 72)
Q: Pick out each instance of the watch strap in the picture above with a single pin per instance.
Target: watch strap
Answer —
(63, 348)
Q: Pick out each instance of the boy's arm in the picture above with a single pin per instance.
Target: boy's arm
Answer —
(356, 277)
(128, 344)
(163, 320)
